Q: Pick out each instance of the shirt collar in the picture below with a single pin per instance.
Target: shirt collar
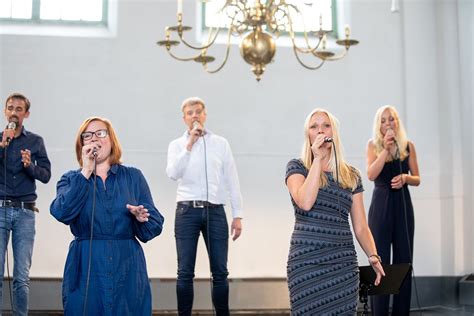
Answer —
(114, 169)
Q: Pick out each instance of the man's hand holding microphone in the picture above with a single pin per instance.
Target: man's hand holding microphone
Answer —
(194, 134)
(8, 133)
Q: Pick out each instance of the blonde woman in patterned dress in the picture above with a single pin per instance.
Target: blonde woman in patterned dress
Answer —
(323, 277)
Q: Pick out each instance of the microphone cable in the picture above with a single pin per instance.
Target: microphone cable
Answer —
(338, 200)
(211, 286)
(405, 211)
(7, 233)
(89, 264)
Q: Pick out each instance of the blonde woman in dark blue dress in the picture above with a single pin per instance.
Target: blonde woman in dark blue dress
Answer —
(323, 277)
(392, 165)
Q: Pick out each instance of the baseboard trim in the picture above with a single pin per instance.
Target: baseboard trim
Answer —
(246, 294)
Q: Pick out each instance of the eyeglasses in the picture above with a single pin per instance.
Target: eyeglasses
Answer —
(101, 133)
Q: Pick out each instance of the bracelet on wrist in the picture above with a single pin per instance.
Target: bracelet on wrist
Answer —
(376, 256)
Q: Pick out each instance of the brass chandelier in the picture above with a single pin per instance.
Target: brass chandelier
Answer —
(260, 22)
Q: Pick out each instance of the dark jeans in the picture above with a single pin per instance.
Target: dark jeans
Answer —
(189, 223)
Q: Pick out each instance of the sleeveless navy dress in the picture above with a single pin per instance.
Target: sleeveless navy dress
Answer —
(322, 270)
(391, 220)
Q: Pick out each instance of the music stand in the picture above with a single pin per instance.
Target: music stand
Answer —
(395, 274)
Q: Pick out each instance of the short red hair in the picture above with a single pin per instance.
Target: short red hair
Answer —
(116, 148)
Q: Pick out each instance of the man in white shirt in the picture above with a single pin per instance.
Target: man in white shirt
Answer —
(204, 167)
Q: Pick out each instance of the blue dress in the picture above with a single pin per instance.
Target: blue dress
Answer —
(118, 283)
(322, 270)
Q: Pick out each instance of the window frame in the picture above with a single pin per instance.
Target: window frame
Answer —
(333, 33)
(36, 20)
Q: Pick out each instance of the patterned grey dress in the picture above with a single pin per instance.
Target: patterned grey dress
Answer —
(323, 277)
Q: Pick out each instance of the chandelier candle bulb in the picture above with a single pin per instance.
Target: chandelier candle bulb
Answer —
(180, 6)
(348, 31)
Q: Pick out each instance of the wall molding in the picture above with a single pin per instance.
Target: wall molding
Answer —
(246, 294)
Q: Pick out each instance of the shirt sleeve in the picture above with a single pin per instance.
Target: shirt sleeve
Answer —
(72, 193)
(153, 227)
(232, 179)
(295, 166)
(359, 187)
(40, 167)
(178, 159)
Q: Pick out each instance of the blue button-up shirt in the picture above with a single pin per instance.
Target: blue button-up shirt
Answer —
(18, 183)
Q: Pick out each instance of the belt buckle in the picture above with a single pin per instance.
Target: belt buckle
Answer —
(198, 204)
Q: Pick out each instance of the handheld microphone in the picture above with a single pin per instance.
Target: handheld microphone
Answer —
(95, 151)
(397, 152)
(328, 139)
(392, 133)
(11, 125)
(196, 126)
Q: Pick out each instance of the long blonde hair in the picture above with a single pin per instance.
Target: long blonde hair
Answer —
(400, 132)
(348, 175)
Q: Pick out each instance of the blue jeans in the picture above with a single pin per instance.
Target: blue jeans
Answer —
(20, 223)
(189, 223)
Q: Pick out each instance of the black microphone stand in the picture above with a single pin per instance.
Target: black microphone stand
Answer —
(364, 289)
(5, 148)
(89, 264)
(400, 170)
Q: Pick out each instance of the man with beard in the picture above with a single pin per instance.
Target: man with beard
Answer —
(23, 160)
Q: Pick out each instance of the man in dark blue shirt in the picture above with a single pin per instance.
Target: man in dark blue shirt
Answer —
(23, 160)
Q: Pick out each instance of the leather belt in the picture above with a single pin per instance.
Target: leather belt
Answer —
(198, 204)
(20, 204)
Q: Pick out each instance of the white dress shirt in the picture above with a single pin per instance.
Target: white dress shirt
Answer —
(189, 169)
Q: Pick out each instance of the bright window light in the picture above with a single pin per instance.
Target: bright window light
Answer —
(21, 9)
(53, 10)
(50, 9)
(310, 13)
(5, 9)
